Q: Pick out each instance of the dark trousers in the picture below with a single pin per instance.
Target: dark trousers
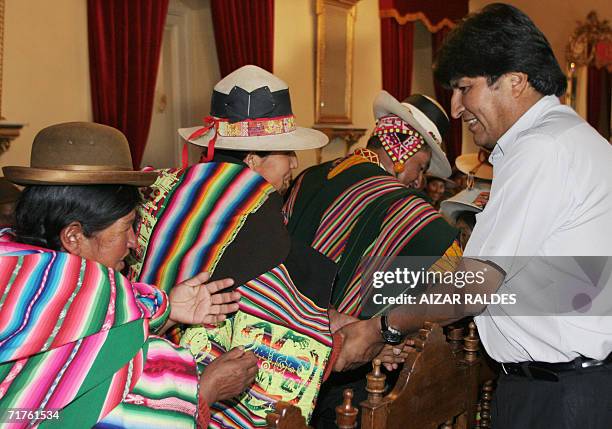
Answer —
(579, 400)
(330, 396)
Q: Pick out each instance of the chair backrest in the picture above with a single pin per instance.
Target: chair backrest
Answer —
(437, 387)
(287, 416)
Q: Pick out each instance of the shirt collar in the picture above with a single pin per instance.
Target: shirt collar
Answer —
(525, 122)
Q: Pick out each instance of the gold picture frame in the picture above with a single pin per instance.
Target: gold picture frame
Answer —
(334, 78)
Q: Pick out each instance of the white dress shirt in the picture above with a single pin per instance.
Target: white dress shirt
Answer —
(551, 196)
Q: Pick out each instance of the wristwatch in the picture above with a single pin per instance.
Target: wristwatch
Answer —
(390, 334)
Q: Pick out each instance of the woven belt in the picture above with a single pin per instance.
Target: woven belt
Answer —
(551, 371)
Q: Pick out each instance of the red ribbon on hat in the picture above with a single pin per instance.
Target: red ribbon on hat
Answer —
(210, 123)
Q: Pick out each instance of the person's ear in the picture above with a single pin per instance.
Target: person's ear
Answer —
(252, 160)
(519, 82)
(71, 237)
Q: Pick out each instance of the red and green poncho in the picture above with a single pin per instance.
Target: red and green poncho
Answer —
(74, 338)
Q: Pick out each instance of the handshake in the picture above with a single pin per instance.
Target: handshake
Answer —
(362, 342)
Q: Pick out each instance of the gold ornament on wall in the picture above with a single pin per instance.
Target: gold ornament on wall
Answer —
(589, 45)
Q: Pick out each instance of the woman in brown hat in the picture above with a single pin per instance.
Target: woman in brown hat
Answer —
(75, 342)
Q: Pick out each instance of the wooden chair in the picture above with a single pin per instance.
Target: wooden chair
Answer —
(287, 416)
(484, 406)
(437, 387)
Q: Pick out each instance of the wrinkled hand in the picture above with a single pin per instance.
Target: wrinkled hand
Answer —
(229, 375)
(338, 320)
(361, 341)
(392, 356)
(194, 301)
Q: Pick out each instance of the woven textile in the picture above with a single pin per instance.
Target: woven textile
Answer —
(191, 216)
(188, 222)
(355, 213)
(289, 335)
(389, 129)
(74, 336)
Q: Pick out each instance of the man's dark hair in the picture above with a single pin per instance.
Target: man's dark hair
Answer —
(497, 40)
(43, 211)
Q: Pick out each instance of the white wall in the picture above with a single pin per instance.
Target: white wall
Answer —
(295, 59)
(46, 68)
(46, 64)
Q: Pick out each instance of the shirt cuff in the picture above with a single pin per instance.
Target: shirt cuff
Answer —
(336, 349)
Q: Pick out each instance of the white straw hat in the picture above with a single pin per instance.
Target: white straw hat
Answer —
(470, 200)
(424, 115)
(251, 111)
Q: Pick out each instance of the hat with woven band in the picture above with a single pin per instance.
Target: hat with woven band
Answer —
(476, 164)
(251, 111)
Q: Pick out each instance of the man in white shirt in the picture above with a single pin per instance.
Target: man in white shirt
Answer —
(551, 198)
(548, 225)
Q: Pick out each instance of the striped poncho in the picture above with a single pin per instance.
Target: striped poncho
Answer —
(74, 338)
(226, 219)
(361, 217)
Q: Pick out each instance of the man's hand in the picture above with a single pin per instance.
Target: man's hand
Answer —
(361, 341)
(392, 356)
(194, 301)
(229, 375)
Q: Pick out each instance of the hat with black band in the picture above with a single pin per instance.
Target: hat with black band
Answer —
(251, 111)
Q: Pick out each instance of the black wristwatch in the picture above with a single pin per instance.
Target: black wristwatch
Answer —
(390, 334)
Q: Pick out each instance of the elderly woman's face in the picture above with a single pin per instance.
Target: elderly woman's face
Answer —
(275, 168)
(111, 245)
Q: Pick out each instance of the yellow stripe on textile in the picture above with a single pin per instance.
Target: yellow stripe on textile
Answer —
(358, 157)
(450, 259)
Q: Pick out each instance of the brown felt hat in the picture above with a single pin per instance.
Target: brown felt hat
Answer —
(79, 153)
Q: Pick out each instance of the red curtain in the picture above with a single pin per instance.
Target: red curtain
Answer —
(124, 46)
(397, 32)
(598, 99)
(244, 33)
(396, 45)
(452, 140)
